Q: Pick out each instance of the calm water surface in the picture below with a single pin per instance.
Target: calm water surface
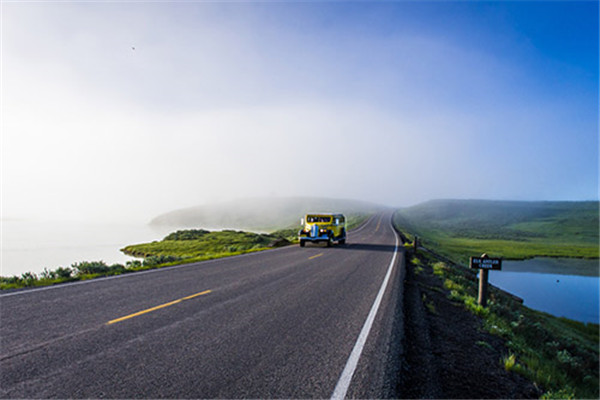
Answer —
(546, 285)
(33, 245)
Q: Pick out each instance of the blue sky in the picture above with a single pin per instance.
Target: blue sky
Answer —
(126, 110)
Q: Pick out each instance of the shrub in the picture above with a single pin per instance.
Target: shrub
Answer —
(28, 278)
(116, 269)
(47, 274)
(61, 272)
(133, 264)
(11, 280)
(91, 267)
(157, 260)
(189, 234)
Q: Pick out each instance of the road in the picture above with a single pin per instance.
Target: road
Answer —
(284, 323)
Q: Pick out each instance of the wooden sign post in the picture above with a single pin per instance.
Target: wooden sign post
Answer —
(484, 264)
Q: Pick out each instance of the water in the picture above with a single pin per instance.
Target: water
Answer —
(31, 246)
(561, 287)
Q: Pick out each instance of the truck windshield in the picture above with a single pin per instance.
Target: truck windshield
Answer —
(317, 218)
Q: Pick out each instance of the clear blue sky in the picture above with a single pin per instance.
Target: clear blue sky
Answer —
(114, 110)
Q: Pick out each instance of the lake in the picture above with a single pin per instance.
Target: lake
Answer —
(561, 287)
(35, 245)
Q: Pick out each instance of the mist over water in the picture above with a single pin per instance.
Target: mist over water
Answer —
(31, 246)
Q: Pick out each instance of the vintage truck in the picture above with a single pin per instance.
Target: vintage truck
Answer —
(323, 227)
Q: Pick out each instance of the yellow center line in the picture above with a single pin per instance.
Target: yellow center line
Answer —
(318, 255)
(379, 223)
(157, 307)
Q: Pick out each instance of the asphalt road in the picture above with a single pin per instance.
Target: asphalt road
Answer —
(282, 323)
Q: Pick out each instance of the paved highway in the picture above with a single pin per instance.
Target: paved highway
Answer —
(312, 322)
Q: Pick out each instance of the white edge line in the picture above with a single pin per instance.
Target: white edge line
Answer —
(341, 388)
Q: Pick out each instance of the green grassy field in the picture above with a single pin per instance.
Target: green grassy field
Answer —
(459, 229)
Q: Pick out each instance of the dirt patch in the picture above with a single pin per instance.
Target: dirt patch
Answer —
(446, 352)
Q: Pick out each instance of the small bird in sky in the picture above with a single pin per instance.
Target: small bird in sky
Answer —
(132, 47)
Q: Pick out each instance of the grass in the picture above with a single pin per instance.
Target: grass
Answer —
(509, 362)
(511, 230)
(560, 355)
(185, 245)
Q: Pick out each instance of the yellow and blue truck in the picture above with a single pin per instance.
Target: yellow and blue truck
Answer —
(323, 227)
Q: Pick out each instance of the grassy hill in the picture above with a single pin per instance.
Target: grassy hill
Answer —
(511, 229)
(260, 214)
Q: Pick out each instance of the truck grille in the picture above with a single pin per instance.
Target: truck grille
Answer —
(314, 231)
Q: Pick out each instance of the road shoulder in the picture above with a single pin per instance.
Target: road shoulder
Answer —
(447, 354)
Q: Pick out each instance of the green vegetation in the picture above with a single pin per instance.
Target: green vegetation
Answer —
(459, 229)
(77, 272)
(197, 245)
(509, 362)
(559, 355)
(180, 247)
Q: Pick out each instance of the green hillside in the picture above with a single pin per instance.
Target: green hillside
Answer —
(511, 229)
(263, 214)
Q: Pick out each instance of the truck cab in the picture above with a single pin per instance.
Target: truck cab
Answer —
(323, 227)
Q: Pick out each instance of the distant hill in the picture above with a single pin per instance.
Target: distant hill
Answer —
(259, 213)
(513, 228)
(508, 219)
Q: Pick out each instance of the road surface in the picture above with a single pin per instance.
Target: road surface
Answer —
(312, 322)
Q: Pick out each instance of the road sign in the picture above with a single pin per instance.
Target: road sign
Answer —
(486, 263)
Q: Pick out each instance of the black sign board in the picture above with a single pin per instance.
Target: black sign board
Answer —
(486, 263)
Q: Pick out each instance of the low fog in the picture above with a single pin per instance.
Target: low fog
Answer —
(125, 111)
